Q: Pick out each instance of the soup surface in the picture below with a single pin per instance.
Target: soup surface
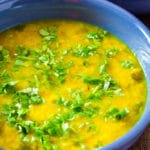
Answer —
(66, 85)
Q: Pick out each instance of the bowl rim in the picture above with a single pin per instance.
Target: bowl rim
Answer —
(143, 121)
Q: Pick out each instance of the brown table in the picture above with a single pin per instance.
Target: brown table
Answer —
(144, 141)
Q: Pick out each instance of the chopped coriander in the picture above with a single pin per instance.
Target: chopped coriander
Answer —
(115, 113)
(21, 51)
(111, 52)
(7, 85)
(84, 51)
(55, 147)
(45, 59)
(65, 52)
(8, 88)
(61, 70)
(99, 145)
(127, 64)
(105, 86)
(43, 32)
(53, 69)
(36, 99)
(103, 80)
(5, 77)
(97, 95)
(78, 103)
(24, 127)
(46, 142)
(37, 81)
(89, 112)
(97, 35)
(78, 141)
(91, 80)
(93, 35)
(91, 127)
(62, 102)
(1, 56)
(18, 63)
(13, 113)
(4, 54)
(111, 113)
(103, 67)
(57, 126)
(21, 56)
(49, 34)
(70, 115)
(28, 96)
(121, 114)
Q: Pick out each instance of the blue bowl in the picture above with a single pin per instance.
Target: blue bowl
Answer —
(98, 12)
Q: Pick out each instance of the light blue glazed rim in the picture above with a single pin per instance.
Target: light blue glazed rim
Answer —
(99, 12)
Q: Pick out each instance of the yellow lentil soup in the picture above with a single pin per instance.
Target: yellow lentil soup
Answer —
(66, 85)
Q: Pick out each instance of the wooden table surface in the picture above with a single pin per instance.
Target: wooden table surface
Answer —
(144, 141)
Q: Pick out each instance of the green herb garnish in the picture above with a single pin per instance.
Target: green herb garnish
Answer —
(103, 67)
(84, 51)
(91, 80)
(21, 56)
(97, 35)
(49, 34)
(111, 52)
(115, 113)
(127, 64)
(4, 57)
(8, 88)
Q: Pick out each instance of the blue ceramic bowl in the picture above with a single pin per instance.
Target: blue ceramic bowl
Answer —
(99, 12)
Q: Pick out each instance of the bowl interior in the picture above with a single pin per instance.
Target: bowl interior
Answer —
(101, 13)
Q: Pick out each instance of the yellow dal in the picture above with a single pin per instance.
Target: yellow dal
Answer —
(71, 33)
